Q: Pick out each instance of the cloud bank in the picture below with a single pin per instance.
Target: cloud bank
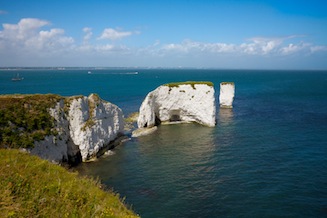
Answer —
(27, 37)
(32, 42)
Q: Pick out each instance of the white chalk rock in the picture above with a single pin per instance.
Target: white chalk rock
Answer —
(188, 102)
(93, 124)
(226, 96)
(54, 147)
(85, 125)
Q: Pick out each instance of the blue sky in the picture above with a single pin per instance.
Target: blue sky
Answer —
(275, 34)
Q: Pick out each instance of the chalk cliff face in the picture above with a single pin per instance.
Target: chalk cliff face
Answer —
(85, 125)
(55, 147)
(226, 96)
(186, 102)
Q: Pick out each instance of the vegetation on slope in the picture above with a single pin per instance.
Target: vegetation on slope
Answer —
(25, 119)
(227, 83)
(31, 187)
(192, 83)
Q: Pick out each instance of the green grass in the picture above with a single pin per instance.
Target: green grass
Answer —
(25, 119)
(192, 83)
(226, 83)
(32, 187)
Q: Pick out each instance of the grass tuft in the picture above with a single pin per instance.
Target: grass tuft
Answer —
(227, 83)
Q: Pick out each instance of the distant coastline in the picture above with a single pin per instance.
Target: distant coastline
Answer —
(147, 68)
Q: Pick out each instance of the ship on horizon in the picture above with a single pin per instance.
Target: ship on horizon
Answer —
(17, 78)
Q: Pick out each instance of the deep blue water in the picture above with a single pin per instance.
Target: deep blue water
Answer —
(267, 157)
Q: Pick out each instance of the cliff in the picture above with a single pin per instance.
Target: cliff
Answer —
(60, 129)
(179, 102)
(226, 96)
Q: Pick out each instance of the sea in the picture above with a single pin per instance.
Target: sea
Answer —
(266, 157)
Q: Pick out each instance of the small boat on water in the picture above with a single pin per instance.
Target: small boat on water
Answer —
(17, 78)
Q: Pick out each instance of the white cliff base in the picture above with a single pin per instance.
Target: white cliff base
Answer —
(180, 102)
(226, 96)
(85, 126)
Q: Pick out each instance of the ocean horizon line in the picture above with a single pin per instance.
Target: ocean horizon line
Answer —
(151, 68)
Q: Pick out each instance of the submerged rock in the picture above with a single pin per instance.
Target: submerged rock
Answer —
(226, 96)
(143, 131)
(181, 102)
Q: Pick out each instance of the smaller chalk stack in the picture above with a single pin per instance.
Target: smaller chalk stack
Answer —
(226, 96)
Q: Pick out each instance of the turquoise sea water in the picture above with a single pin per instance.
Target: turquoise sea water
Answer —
(267, 157)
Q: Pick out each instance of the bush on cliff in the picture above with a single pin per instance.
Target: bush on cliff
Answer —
(32, 187)
(25, 119)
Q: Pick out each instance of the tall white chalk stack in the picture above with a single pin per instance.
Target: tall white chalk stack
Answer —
(226, 96)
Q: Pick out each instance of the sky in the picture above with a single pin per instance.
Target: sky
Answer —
(234, 34)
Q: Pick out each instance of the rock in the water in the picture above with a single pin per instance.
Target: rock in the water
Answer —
(143, 131)
(93, 124)
(227, 92)
(185, 102)
(85, 126)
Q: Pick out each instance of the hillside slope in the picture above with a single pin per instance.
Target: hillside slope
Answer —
(32, 187)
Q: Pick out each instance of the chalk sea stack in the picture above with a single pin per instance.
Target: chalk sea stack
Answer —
(226, 96)
(179, 102)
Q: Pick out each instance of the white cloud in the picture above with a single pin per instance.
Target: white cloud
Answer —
(221, 47)
(3, 12)
(25, 29)
(32, 38)
(295, 48)
(189, 46)
(248, 48)
(261, 46)
(27, 36)
(88, 34)
(255, 46)
(54, 39)
(109, 48)
(113, 34)
(320, 48)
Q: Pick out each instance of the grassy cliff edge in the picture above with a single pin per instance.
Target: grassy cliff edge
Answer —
(32, 187)
(192, 83)
(25, 119)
